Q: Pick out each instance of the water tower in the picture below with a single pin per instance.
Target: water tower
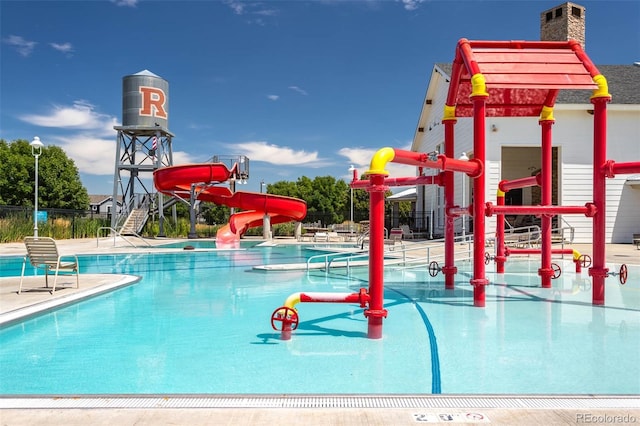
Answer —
(143, 145)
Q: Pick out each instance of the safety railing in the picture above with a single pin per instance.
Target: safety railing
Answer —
(396, 256)
(115, 234)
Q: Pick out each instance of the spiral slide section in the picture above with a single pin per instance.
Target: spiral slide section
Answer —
(177, 181)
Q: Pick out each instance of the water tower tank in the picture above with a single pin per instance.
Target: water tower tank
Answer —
(145, 100)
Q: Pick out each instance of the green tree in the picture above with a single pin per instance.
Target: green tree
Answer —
(215, 214)
(325, 196)
(59, 184)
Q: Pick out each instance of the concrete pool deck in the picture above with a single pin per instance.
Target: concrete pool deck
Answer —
(277, 409)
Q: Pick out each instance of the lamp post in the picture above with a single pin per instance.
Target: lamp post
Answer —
(261, 185)
(36, 150)
(352, 170)
(464, 157)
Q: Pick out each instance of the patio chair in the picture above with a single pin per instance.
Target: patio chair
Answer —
(42, 253)
(321, 237)
(395, 236)
(334, 237)
(406, 232)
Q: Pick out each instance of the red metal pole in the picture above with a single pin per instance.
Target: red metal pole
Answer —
(499, 242)
(443, 162)
(330, 297)
(449, 269)
(588, 210)
(515, 251)
(546, 184)
(459, 211)
(479, 280)
(508, 185)
(598, 271)
(612, 168)
(376, 311)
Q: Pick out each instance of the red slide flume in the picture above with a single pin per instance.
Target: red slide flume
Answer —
(177, 180)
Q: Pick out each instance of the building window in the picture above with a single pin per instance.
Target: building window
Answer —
(575, 11)
(549, 16)
(558, 13)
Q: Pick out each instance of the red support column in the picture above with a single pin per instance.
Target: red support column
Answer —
(479, 280)
(546, 187)
(501, 257)
(376, 312)
(449, 270)
(598, 272)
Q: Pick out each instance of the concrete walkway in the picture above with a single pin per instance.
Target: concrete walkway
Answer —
(276, 409)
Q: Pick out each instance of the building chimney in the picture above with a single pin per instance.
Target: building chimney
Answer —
(563, 22)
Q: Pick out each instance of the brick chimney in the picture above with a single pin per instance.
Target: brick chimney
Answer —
(563, 22)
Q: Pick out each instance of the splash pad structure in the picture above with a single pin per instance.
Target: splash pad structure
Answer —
(492, 79)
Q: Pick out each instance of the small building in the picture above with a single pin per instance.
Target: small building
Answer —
(513, 148)
(102, 204)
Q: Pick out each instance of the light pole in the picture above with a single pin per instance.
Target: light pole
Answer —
(36, 150)
(352, 170)
(261, 185)
(464, 157)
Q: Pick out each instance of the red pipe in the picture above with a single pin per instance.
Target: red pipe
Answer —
(446, 162)
(588, 210)
(546, 185)
(376, 311)
(598, 271)
(514, 251)
(501, 257)
(612, 168)
(459, 211)
(449, 269)
(331, 298)
(401, 181)
(479, 280)
(508, 185)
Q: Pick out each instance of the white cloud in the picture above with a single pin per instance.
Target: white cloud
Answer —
(126, 3)
(299, 90)
(411, 4)
(273, 97)
(92, 155)
(236, 6)
(81, 115)
(257, 10)
(97, 156)
(62, 47)
(24, 47)
(274, 154)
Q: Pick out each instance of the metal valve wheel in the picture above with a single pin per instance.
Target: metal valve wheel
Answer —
(557, 271)
(585, 260)
(434, 268)
(623, 274)
(286, 317)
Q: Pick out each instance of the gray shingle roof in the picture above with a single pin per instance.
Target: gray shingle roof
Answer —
(623, 81)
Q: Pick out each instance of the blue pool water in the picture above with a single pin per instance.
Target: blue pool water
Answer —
(199, 322)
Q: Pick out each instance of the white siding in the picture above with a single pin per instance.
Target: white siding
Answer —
(576, 189)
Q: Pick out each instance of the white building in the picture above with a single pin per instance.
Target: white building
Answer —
(513, 148)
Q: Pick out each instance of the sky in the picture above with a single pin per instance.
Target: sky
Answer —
(302, 88)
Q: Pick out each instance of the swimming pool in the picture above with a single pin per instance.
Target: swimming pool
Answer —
(199, 322)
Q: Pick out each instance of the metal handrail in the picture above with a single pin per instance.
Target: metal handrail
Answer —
(115, 234)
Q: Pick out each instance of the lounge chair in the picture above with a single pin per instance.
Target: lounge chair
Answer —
(42, 253)
(334, 237)
(395, 236)
(321, 237)
(406, 232)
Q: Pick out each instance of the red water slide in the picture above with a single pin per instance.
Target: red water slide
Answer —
(177, 181)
